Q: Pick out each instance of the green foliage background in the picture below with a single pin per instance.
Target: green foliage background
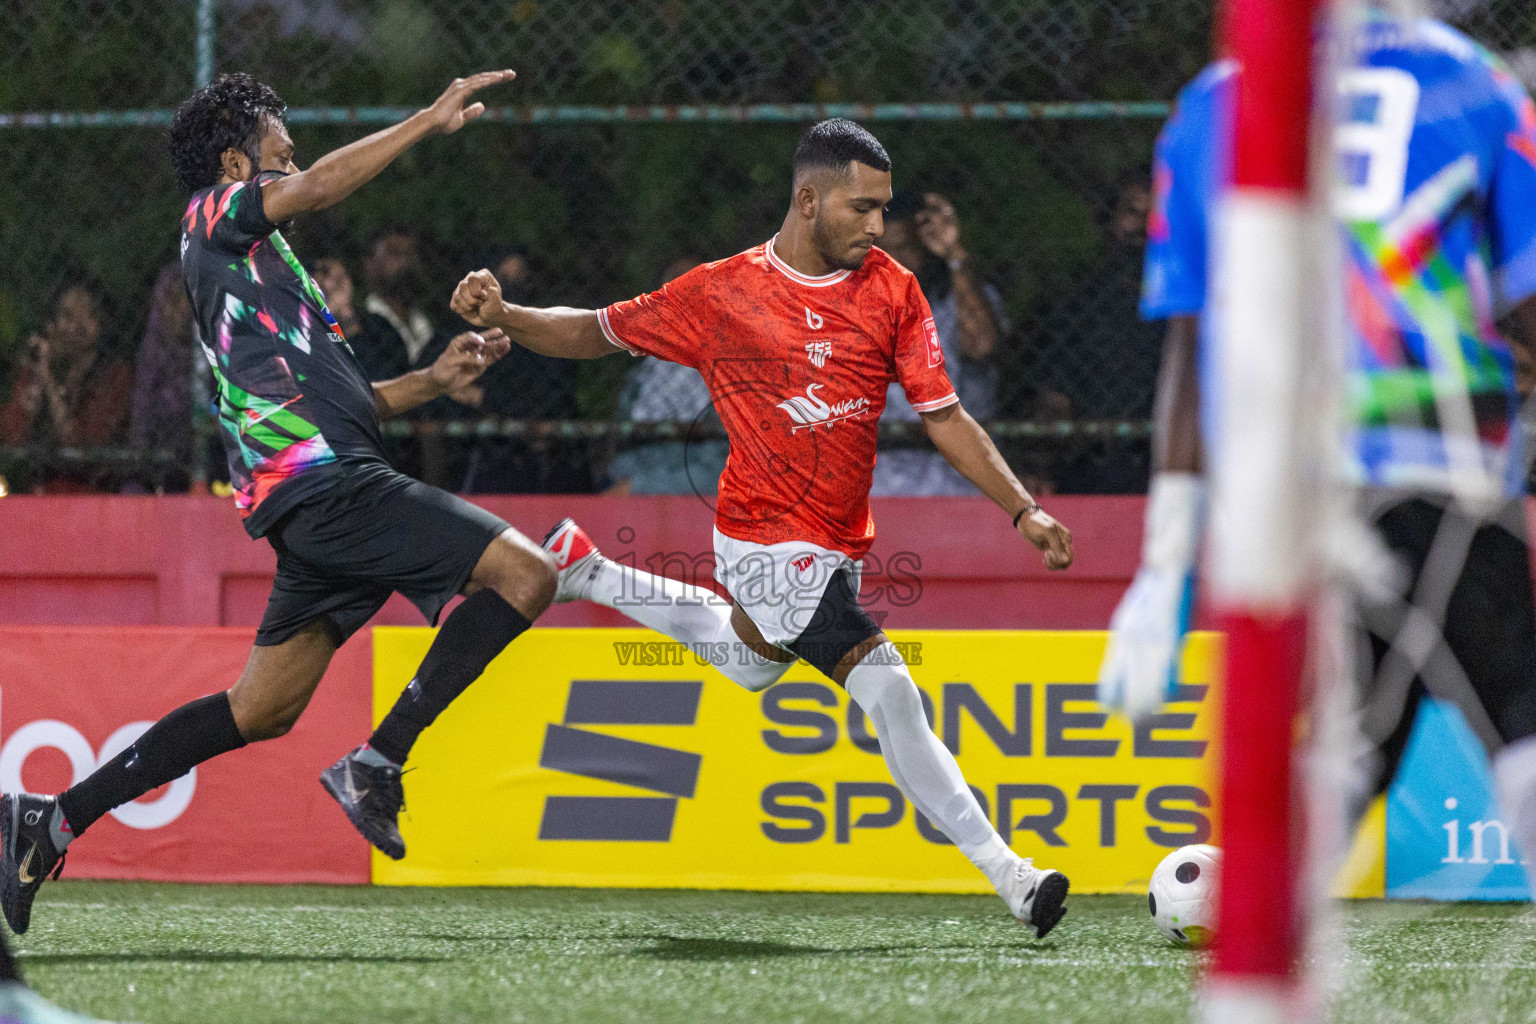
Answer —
(601, 208)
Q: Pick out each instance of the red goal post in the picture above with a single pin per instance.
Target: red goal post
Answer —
(1263, 569)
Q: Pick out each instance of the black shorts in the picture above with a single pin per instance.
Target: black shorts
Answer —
(838, 625)
(1482, 658)
(341, 553)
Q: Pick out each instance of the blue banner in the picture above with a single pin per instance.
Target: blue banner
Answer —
(1445, 838)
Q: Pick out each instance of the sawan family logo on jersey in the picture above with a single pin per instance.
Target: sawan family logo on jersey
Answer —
(809, 411)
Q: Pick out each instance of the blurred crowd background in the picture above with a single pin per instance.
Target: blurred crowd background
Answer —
(641, 137)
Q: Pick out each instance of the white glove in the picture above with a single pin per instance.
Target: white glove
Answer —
(1141, 664)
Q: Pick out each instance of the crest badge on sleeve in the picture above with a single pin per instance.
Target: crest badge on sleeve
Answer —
(935, 350)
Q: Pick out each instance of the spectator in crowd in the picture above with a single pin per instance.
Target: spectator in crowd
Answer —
(395, 336)
(1105, 357)
(526, 386)
(923, 233)
(657, 391)
(172, 377)
(70, 389)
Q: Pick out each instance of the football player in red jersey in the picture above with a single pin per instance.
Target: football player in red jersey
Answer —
(798, 339)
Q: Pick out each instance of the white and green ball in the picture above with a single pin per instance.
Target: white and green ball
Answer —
(1182, 896)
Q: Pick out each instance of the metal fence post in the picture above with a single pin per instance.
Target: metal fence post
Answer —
(204, 72)
(202, 397)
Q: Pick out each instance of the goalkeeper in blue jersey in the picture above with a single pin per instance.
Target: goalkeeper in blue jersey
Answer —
(1435, 196)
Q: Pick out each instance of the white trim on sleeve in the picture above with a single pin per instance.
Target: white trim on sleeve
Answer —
(937, 403)
(614, 339)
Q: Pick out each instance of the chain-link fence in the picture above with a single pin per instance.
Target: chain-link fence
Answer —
(638, 135)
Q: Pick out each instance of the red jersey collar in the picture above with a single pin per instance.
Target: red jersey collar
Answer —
(795, 275)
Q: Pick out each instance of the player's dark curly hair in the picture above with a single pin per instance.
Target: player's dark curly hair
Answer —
(836, 143)
(231, 112)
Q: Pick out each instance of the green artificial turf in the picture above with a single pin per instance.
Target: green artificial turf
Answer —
(165, 954)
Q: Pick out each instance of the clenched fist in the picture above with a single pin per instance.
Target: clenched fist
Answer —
(478, 299)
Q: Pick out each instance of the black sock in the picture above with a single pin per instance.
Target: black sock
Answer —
(173, 746)
(477, 631)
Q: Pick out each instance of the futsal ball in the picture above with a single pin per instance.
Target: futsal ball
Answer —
(1182, 896)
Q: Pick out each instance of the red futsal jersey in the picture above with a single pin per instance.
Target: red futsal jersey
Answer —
(798, 368)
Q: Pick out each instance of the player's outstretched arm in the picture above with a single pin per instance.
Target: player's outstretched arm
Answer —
(1176, 444)
(341, 172)
(467, 357)
(557, 331)
(1141, 665)
(960, 439)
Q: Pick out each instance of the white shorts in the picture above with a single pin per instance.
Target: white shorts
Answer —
(779, 585)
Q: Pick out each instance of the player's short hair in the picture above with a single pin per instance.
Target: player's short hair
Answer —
(836, 143)
(231, 112)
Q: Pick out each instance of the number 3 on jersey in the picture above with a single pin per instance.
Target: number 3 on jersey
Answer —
(1377, 111)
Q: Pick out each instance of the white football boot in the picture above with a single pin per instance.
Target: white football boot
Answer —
(576, 560)
(1037, 898)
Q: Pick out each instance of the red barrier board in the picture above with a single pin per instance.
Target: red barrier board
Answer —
(71, 697)
(937, 563)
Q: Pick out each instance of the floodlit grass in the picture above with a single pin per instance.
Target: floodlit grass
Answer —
(166, 954)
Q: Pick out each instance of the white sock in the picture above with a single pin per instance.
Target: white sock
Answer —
(923, 768)
(1514, 776)
(691, 615)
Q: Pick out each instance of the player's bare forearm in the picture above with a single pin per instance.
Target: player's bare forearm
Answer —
(341, 172)
(558, 331)
(338, 174)
(1176, 445)
(394, 397)
(463, 362)
(963, 443)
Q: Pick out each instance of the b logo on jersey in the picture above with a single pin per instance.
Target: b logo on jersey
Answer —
(813, 320)
(818, 352)
(935, 350)
(810, 412)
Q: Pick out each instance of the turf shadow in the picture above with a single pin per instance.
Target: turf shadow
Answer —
(441, 937)
(671, 947)
(203, 957)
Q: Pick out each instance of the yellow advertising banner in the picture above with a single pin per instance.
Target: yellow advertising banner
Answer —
(611, 757)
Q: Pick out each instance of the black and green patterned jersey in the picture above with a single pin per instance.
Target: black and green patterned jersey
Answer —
(294, 406)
